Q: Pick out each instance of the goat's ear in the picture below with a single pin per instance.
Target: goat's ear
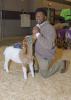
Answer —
(25, 40)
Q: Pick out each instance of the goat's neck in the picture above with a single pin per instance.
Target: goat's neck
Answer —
(28, 50)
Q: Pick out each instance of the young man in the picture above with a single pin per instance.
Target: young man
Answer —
(45, 44)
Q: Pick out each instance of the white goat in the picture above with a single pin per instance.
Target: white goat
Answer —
(22, 56)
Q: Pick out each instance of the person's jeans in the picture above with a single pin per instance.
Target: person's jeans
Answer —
(45, 67)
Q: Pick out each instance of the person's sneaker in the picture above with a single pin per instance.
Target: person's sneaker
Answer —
(64, 69)
(36, 70)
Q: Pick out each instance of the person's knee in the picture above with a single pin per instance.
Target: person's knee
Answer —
(44, 73)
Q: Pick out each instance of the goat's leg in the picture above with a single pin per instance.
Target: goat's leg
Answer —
(24, 72)
(6, 64)
(31, 68)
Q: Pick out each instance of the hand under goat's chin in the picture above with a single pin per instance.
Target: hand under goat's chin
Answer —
(24, 47)
(36, 33)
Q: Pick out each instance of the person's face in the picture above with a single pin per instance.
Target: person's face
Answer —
(40, 17)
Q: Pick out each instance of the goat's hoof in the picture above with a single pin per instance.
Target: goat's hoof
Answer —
(33, 76)
(6, 70)
(25, 78)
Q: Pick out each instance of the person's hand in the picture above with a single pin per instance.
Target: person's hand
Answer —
(36, 32)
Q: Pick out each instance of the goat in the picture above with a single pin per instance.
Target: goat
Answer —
(22, 56)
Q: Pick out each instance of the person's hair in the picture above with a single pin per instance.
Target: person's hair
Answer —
(43, 10)
(69, 22)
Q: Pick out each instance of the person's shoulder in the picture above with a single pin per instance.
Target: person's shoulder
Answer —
(47, 26)
(50, 26)
(48, 23)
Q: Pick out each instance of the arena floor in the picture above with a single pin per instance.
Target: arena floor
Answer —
(14, 87)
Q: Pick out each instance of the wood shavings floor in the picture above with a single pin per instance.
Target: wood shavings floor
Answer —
(14, 87)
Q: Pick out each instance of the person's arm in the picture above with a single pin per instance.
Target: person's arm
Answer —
(36, 33)
(48, 38)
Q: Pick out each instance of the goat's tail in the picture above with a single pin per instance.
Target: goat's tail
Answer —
(3, 52)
